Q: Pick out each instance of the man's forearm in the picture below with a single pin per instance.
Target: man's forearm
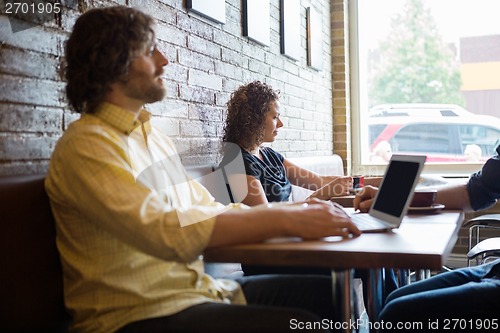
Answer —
(240, 226)
(454, 197)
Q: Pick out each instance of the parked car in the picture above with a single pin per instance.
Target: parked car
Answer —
(463, 137)
(418, 110)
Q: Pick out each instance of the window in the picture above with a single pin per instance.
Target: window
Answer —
(425, 79)
(424, 138)
(481, 135)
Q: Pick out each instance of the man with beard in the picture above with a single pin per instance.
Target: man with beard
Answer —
(131, 226)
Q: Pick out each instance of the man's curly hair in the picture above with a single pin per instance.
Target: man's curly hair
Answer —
(246, 111)
(99, 51)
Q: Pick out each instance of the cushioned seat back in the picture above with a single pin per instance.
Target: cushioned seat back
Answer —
(31, 287)
(212, 179)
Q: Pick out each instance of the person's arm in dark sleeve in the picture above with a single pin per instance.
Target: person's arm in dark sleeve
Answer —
(484, 185)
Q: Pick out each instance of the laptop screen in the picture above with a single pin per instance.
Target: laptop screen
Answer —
(396, 188)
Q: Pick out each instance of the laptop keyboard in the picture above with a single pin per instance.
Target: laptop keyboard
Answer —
(366, 222)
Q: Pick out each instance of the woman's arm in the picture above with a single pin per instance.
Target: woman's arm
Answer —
(247, 189)
(305, 178)
(324, 187)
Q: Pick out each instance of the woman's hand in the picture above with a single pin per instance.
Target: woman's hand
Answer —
(364, 199)
(338, 187)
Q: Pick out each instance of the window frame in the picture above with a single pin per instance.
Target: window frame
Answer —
(451, 170)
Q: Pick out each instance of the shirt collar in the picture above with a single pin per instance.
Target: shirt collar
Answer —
(120, 118)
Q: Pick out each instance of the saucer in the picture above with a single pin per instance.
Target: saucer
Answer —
(426, 210)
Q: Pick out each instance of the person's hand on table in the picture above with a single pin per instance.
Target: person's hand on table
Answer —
(315, 219)
(364, 199)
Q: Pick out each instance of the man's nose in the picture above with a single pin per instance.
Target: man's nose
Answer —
(161, 58)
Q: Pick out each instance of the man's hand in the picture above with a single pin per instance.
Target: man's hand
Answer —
(364, 199)
(316, 219)
(312, 219)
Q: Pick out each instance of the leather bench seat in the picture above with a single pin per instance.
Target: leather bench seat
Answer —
(31, 287)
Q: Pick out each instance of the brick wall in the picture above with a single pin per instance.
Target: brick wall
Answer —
(207, 62)
(340, 81)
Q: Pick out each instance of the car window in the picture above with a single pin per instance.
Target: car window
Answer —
(425, 138)
(484, 137)
(448, 113)
(441, 141)
(374, 132)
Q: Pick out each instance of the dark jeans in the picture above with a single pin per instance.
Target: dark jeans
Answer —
(388, 283)
(463, 300)
(276, 303)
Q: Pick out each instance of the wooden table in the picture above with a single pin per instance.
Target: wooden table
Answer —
(421, 242)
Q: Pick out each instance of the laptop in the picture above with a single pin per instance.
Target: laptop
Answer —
(394, 195)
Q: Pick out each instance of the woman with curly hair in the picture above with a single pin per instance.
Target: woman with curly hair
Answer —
(253, 118)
